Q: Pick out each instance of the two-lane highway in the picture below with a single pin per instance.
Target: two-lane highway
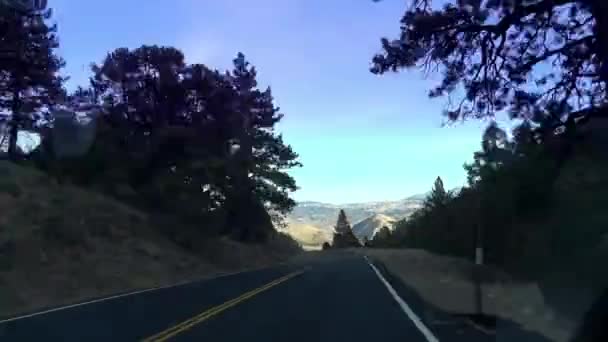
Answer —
(343, 299)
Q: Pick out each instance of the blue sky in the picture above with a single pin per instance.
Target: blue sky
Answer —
(361, 137)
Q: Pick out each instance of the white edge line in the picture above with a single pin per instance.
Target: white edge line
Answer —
(406, 308)
(127, 294)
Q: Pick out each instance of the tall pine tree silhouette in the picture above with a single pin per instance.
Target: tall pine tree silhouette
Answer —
(30, 83)
(343, 235)
(438, 197)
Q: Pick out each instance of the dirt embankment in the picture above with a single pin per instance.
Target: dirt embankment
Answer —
(446, 283)
(60, 244)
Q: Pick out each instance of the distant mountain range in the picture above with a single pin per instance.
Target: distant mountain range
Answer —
(311, 223)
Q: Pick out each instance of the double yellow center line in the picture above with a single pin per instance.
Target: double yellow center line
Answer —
(185, 325)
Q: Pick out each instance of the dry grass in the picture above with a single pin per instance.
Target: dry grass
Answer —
(308, 236)
(445, 282)
(60, 244)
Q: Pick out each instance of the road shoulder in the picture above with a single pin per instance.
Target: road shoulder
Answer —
(454, 326)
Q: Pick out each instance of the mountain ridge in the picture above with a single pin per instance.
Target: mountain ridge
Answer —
(310, 217)
(416, 197)
(369, 227)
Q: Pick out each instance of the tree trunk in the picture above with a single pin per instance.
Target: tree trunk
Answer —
(14, 127)
(12, 140)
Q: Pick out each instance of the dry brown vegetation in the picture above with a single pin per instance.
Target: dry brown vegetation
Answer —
(60, 244)
(446, 283)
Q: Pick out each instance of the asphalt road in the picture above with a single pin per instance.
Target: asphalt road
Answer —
(342, 299)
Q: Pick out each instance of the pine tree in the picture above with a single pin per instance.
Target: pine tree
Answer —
(438, 197)
(175, 126)
(30, 84)
(496, 152)
(343, 234)
(342, 226)
(257, 167)
(491, 53)
(524, 141)
(141, 93)
(382, 237)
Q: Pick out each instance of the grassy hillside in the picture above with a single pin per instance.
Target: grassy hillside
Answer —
(309, 236)
(368, 227)
(60, 244)
(324, 215)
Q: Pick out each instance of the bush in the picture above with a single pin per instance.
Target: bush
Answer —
(326, 246)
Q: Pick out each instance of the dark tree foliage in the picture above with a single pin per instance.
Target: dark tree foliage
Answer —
(177, 138)
(496, 150)
(260, 154)
(29, 81)
(342, 225)
(384, 234)
(141, 95)
(438, 197)
(326, 246)
(514, 195)
(538, 59)
(345, 240)
(343, 233)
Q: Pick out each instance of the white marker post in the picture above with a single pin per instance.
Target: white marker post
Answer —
(479, 255)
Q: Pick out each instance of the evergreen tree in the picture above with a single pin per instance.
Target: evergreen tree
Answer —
(141, 95)
(144, 111)
(343, 234)
(438, 197)
(524, 141)
(257, 167)
(180, 138)
(496, 151)
(491, 52)
(382, 238)
(342, 226)
(30, 84)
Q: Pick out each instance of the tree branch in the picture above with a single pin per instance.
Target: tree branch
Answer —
(528, 65)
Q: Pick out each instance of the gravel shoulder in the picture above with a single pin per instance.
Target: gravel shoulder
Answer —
(447, 283)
